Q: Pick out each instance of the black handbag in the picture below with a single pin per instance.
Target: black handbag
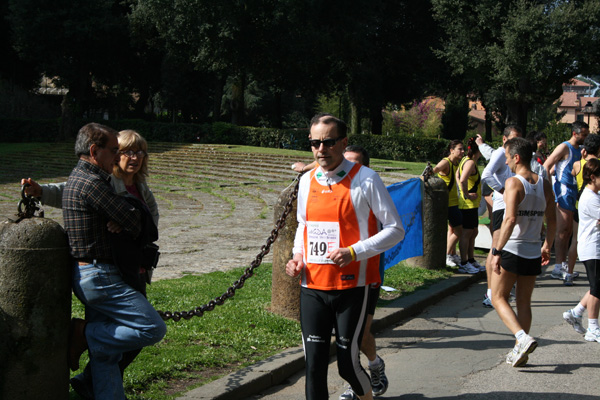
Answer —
(150, 258)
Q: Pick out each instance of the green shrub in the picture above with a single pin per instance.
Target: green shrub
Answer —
(401, 147)
(294, 139)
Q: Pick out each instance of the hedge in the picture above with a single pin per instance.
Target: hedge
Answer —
(401, 147)
(396, 147)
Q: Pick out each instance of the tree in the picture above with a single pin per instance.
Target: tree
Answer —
(386, 57)
(239, 40)
(76, 43)
(516, 53)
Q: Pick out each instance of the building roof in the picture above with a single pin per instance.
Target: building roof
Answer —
(569, 99)
(585, 99)
(478, 115)
(576, 82)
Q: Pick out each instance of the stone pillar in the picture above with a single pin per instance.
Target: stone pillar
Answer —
(35, 310)
(285, 290)
(435, 225)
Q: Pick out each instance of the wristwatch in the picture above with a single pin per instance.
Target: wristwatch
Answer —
(496, 252)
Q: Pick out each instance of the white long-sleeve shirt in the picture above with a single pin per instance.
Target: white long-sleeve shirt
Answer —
(486, 151)
(495, 175)
(374, 197)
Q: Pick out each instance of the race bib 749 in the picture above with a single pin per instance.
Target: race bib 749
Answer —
(322, 239)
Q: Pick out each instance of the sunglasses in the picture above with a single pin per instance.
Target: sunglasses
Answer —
(327, 142)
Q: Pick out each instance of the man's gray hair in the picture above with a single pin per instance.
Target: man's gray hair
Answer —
(90, 134)
(511, 128)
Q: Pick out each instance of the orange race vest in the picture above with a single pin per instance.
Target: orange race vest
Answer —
(334, 204)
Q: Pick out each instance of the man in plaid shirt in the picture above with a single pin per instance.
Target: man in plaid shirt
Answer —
(118, 318)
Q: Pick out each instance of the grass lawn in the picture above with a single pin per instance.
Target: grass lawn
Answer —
(234, 335)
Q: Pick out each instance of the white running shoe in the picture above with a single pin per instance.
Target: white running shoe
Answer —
(525, 347)
(575, 274)
(513, 353)
(450, 261)
(592, 336)
(487, 302)
(467, 269)
(574, 321)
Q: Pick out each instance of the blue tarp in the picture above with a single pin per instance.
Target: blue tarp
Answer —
(409, 203)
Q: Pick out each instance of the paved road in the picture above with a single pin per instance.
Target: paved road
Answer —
(456, 349)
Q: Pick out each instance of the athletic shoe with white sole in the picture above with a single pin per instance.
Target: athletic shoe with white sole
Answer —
(568, 281)
(450, 261)
(575, 274)
(525, 347)
(560, 274)
(513, 353)
(574, 321)
(467, 269)
(349, 394)
(592, 336)
(487, 302)
(379, 381)
(456, 258)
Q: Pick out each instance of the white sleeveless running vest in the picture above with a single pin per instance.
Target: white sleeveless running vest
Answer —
(525, 240)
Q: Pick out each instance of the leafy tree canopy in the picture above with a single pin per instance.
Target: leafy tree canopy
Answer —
(519, 52)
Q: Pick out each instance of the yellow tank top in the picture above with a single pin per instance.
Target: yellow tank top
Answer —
(579, 176)
(450, 181)
(473, 186)
(579, 179)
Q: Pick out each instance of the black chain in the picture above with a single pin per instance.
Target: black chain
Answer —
(220, 300)
(31, 206)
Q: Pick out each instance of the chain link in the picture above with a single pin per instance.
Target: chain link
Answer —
(264, 250)
(427, 172)
(31, 206)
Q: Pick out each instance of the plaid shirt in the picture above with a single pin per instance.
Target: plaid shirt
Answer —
(89, 202)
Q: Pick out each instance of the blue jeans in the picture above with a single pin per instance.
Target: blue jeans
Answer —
(119, 319)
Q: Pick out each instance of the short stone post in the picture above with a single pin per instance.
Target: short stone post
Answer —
(285, 290)
(435, 222)
(35, 310)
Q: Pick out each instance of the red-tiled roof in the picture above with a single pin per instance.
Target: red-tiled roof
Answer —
(477, 114)
(569, 99)
(585, 99)
(576, 82)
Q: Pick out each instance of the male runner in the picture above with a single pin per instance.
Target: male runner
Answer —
(336, 252)
(517, 257)
(495, 175)
(560, 164)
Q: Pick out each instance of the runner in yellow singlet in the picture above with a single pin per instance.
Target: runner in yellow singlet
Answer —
(446, 169)
(469, 197)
